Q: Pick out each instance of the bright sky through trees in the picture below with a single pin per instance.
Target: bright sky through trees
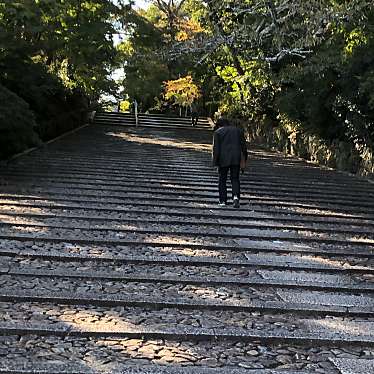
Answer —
(141, 3)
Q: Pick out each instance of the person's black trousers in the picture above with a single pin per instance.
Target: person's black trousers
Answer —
(235, 182)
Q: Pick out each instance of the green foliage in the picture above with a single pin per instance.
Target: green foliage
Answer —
(144, 81)
(144, 69)
(70, 37)
(304, 66)
(331, 94)
(57, 57)
(20, 131)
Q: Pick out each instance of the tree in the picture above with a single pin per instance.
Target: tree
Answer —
(182, 91)
(144, 68)
(57, 56)
(172, 13)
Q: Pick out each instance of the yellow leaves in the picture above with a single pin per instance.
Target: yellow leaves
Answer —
(182, 91)
(91, 6)
(72, 13)
(126, 48)
(188, 28)
(181, 36)
(227, 73)
(124, 106)
(355, 39)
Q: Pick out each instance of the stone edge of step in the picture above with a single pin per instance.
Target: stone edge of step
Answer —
(353, 366)
(277, 307)
(240, 247)
(270, 264)
(38, 368)
(190, 333)
(211, 280)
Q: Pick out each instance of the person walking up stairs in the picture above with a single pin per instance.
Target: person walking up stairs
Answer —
(229, 150)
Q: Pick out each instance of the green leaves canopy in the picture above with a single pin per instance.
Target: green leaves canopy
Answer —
(57, 56)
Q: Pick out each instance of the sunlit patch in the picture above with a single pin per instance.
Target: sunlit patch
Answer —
(338, 326)
(171, 185)
(361, 239)
(21, 210)
(324, 261)
(149, 139)
(180, 240)
(31, 200)
(202, 205)
(125, 227)
(106, 323)
(29, 229)
(12, 220)
(188, 252)
(324, 211)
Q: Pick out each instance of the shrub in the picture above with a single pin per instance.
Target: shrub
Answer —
(17, 124)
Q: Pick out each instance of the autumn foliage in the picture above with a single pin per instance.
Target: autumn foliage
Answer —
(182, 91)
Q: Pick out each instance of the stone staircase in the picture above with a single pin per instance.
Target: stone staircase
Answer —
(116, 258)
(114, 118)
(149, 120)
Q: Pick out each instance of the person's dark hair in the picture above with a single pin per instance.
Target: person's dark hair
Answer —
(222, 122)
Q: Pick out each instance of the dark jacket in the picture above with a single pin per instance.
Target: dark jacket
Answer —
(228, 146)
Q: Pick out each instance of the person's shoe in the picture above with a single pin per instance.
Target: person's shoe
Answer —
(236, 203)
(221, 204)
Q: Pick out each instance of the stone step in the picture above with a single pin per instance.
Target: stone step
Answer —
(182, 177)
(113, 121)
(152, 117)
(356, 366)
(188, 257)
(120, 185)
(122, 122)
(10, 367)
(298, 288)
(162, 117)
(144, 220)
(188, 274)
(251, 186)
(254, 306)
(183, 218)
(187, 153)
(151, 124)
(147, 122)
(244, 245)
(153, 199)
(283, 215)
(254, 232)
(145, 356)
(335, 331)
(206, 191)
(206, 194)
(171, 121)
(173, 235)
(203, 169)
(209, 176)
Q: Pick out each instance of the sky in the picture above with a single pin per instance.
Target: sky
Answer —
(138, 4)
(141, 3)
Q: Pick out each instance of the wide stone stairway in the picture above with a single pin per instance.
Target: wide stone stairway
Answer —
(116, 258)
